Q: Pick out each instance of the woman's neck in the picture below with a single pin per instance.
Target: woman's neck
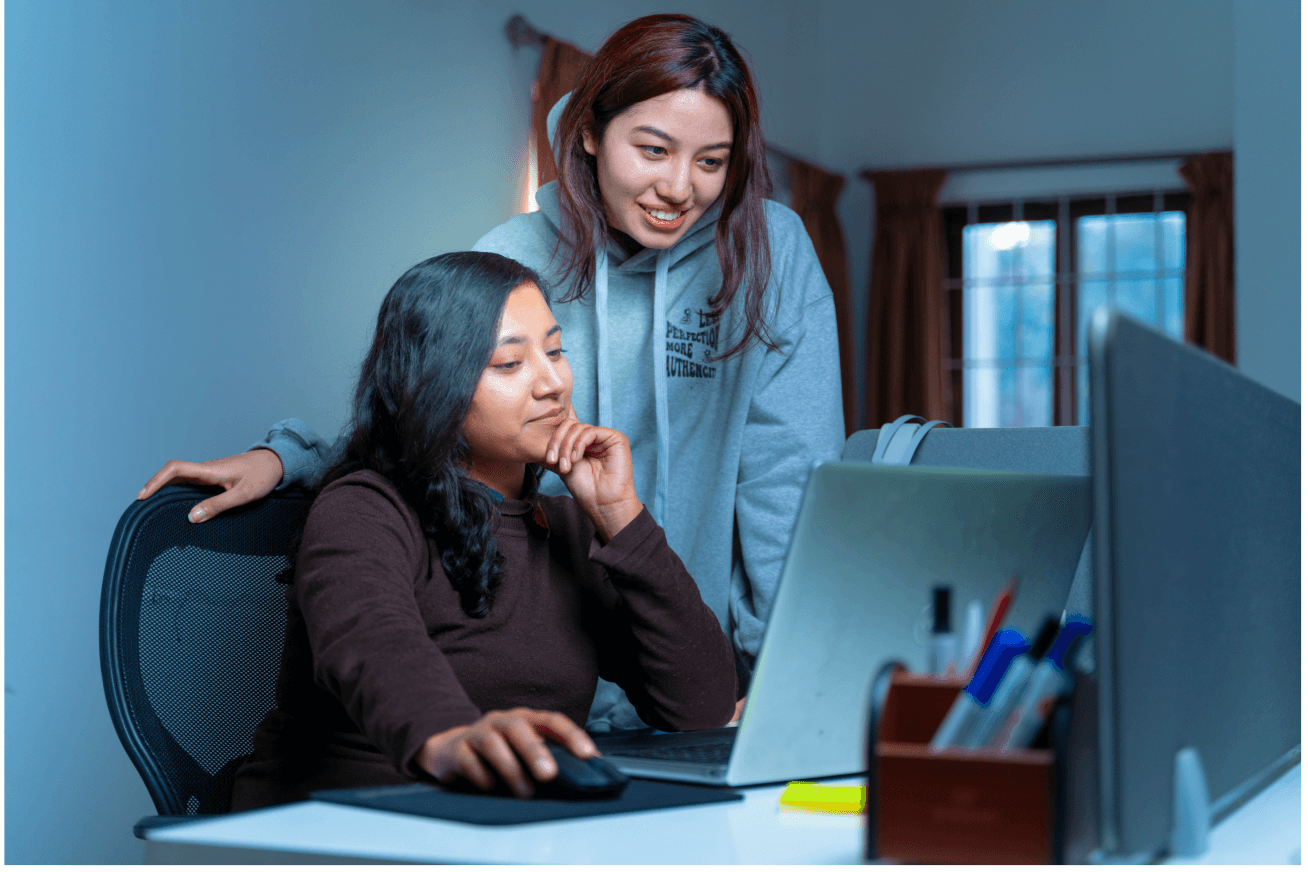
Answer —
(627, 243)
(506, 478)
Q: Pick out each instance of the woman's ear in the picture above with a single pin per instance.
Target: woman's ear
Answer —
(588, 142)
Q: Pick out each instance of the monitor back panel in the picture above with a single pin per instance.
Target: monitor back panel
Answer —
(1196, 478)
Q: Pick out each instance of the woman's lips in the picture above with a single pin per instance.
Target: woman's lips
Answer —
(663, 223)
(550, 419)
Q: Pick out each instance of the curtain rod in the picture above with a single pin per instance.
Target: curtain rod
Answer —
(1138, 157)
(521, 33)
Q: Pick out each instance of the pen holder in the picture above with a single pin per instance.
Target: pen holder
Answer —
(958, 805)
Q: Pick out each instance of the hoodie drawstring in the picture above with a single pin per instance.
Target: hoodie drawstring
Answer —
(602, 338)
(602, 372)
(660, 382)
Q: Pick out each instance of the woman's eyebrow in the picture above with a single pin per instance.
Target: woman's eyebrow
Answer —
(519, 339)
(654, 131)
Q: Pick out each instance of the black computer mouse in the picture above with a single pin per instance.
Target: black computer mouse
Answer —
(581, 778)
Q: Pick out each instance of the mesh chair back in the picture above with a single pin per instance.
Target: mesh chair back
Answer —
(191, 624)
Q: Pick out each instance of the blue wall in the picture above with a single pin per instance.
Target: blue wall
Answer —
(206, 202)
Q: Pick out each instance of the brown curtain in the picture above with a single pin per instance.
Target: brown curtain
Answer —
(1210, 255)
(814, 192)
(561, 64)
(906, 305)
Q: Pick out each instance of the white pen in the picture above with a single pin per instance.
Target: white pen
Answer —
(973, 624)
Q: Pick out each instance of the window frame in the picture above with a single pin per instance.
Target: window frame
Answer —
(1064, 212)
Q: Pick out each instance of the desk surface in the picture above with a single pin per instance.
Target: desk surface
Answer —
(755, 831)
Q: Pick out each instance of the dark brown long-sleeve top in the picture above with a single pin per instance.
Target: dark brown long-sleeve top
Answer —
(379, 655)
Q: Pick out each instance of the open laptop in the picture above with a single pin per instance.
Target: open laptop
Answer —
(869, 544)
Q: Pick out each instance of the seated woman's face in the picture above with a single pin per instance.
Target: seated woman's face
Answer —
(525, 390)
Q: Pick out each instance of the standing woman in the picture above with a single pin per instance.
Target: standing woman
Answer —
(698, 319)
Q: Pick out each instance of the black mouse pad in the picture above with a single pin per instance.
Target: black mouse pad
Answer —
(470, 808)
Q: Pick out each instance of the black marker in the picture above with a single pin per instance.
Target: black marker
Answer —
(944, 644)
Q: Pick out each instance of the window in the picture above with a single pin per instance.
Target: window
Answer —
(1023, 279)
(527, 198)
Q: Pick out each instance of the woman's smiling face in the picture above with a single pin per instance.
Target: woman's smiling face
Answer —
(661, 164)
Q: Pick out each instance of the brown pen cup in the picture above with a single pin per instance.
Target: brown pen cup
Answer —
(957, 805)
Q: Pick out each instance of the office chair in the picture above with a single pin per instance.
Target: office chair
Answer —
(191, 625)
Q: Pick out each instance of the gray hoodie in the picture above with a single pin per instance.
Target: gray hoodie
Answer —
(721, 448)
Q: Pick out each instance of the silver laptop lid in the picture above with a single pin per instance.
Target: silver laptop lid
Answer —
(869, 544)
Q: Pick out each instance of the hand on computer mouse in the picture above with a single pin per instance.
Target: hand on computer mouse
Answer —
(581, 777)
(493, 749)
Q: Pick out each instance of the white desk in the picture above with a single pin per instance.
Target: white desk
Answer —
(754, 831)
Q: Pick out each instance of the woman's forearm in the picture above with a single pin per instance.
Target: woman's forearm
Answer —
(665, 646)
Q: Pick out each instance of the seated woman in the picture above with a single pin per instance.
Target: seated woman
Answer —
(443, 617)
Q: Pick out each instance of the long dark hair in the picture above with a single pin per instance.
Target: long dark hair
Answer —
(435, 335)
(651, 56)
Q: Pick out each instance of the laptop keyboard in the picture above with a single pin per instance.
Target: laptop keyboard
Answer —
(716, 753)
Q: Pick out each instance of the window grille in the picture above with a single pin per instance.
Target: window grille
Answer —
(1023, 278)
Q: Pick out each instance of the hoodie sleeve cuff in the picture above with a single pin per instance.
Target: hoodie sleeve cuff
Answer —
(302, 451)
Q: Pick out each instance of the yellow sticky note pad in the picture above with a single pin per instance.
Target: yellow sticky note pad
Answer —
(824, 797)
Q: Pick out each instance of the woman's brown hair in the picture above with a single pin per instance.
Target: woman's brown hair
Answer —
(649, 57)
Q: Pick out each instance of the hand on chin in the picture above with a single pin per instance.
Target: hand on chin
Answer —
(595, 465)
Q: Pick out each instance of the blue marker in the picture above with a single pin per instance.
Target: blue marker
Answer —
(1051, 679)
(967, 708)
(1011, 688)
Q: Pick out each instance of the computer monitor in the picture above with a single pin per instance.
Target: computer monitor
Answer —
(1197, 578)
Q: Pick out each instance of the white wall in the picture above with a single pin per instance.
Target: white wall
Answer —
(1268, 150)
(949, 81)
(206, 202)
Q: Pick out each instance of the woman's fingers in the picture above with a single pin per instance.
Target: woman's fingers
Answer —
(552, 448)
(513, 745)
(468, 763)
(494, 750)
(243, 477)
(563, 730)
(562, 448)
(578, 440)
(530, 748)
(179, 472)
(504, 745)
(219, 503)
